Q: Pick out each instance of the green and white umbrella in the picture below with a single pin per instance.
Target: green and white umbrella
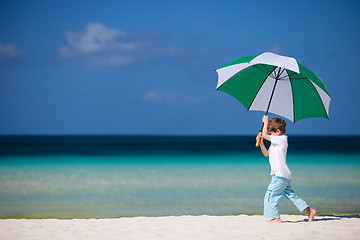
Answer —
(272, 83)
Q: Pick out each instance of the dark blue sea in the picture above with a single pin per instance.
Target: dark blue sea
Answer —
(122, 176)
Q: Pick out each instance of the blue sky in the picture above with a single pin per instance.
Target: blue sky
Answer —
(148, 67)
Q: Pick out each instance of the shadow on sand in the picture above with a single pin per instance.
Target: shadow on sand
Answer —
(322, 218)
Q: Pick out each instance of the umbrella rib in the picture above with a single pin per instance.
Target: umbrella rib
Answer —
(294, 73)
(280, 73)
(284, 77)
(268, 74)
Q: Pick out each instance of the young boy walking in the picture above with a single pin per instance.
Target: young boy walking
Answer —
(281, 175)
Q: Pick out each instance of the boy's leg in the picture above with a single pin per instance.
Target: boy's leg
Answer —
(299, 203)
(296, 200)
(273, 194)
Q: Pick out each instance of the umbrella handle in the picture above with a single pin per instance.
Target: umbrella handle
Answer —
(260, 132)
(258, 141)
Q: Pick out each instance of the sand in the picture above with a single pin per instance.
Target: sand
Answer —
(183, 227)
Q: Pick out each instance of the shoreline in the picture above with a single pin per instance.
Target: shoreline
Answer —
(40, 217)
(184, 227)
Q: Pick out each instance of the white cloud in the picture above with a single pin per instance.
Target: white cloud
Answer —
(155, 96)
(169, 97)
(8, 52)
(98, 45)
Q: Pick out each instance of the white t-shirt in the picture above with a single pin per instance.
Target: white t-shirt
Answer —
(277, 156)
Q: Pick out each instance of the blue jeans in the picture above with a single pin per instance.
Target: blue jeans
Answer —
(278, 187)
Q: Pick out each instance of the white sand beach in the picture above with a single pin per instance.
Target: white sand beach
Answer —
(183, 227)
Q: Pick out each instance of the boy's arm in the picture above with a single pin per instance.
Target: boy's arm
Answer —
(264, 150)
(265, 134)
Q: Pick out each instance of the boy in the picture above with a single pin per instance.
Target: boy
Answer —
(281, 175)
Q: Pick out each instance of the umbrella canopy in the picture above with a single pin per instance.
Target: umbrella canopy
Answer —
(272, 83)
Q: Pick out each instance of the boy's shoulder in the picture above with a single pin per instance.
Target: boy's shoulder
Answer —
(278, 139)
(280, 136)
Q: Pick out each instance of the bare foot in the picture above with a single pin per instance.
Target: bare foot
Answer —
(275, 220)
(312, 214)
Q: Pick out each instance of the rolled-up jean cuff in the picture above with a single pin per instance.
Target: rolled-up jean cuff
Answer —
(304, 208)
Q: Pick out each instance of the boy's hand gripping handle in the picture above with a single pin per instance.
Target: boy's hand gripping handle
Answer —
(260, 134)
(259, 140)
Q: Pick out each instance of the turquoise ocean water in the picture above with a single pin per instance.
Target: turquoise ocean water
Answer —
(98, 177)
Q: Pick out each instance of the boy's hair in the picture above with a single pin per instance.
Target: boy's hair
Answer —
(277, 123)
